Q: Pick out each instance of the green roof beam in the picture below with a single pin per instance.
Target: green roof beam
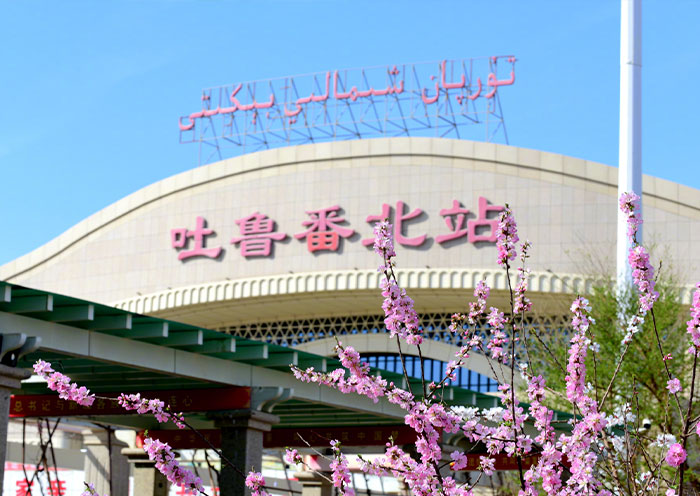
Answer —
(282, 359)
(28, 304)
(182, 338)
(319, 363)
(73, 313)
(110, 323)
(250, 353)
(5, 294)
(143, 331)
(225, 346)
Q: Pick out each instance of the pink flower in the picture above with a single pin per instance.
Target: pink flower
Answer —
(256, 482)
(522, 302)
(673, 385)
(163, 455)
(499, 340)
(383, 239)
(292, 457)
(676, 455)
(642, 271)
(460, 460)
(694, 322)
(476, 309)
(399, 315)
(576, 368)
(42, 368)
(154, 406)
(643, 276)
(629, 202)
(340, 471)
(360, 381)
(89, 487)
(62, 384)
(487, 465)
(506, 237)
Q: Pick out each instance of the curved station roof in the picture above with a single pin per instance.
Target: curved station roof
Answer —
(141, 253)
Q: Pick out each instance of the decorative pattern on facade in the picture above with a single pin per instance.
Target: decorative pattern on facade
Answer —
(435, 327)
(310, 282)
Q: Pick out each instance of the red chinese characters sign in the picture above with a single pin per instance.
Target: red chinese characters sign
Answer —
(179, 239)
(323, 231)
(27, 488)
(397, 220)
(185, 400)
(326, 228)
(257, 235)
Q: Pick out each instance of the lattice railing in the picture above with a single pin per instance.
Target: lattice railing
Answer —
(435, 326)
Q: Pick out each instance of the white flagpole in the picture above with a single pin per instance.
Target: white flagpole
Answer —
(630, 160)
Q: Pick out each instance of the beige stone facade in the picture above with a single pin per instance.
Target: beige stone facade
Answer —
(565, 206)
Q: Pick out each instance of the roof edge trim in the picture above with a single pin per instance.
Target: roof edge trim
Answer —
(348, 280)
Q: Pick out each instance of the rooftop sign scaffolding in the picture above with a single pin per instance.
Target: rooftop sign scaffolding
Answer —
(443, 99)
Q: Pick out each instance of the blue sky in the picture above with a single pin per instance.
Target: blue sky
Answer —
(90, 92)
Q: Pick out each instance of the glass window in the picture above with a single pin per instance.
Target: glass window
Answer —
(434, 371)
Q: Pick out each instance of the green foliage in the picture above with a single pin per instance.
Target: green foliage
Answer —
(642, 376)
(642, 369)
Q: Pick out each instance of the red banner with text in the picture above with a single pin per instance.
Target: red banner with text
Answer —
(280, 438)
(180, 400)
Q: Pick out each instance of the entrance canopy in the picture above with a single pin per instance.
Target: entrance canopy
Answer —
(110, 351)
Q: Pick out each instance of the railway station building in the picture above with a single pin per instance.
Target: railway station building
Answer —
(202, 288)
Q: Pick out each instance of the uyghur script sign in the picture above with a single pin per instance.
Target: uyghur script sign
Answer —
(325, 228)
(397, 100)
